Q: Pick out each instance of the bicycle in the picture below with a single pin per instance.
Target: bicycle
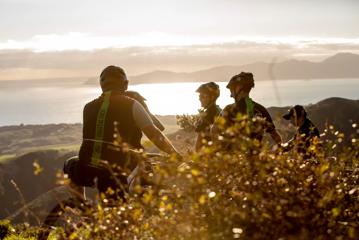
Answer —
(76, 206)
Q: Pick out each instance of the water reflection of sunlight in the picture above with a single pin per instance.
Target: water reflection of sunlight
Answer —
(179, 98)
(175, 98)
(48, 104)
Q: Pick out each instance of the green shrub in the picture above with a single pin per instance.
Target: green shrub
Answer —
(187, 122)
(237, 188)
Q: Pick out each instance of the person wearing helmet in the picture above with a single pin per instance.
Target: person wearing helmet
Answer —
(208, 94)
(112, 129)
(240, 86)
(306, 132)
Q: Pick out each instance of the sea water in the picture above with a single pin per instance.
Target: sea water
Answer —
(42, 102)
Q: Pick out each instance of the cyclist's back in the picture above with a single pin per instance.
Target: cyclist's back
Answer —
(240, 86)
(119, 120)
(112, 129)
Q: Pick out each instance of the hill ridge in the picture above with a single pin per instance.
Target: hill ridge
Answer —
(340, 65)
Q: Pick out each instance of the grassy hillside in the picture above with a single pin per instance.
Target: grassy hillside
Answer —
(26, 138)
(26, 177)
(18, 140)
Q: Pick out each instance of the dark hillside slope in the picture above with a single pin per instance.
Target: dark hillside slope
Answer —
(21, 172)
(339, 112)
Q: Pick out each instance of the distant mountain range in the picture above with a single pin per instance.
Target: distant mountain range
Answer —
(341, 65)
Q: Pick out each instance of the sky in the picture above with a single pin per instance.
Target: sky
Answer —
(47, 38)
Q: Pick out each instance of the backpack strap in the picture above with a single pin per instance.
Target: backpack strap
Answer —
(250, 107)
(100, 129)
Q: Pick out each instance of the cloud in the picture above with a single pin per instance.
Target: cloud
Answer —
(140, 59)
(86, 41)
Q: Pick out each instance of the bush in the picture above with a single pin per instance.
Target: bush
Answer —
(19, 232)
(237, 188)
(187, 122)
(4, 229)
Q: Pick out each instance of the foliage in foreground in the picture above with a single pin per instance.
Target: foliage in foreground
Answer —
(237, 188)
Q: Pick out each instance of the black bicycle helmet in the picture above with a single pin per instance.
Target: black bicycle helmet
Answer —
(244, 78)
(210, 88)
(112, 77)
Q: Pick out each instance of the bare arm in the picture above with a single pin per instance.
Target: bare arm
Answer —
(276, 137)
(157, 122)
(159, 139)
(145, 123)
(288, 145)
(271, 127)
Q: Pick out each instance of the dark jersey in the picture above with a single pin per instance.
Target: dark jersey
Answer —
(303, 137)
(206, 119)
(230, 113)
(117, 119)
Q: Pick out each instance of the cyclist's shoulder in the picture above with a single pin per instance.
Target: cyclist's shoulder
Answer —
(218, 109)
(117, 98)
(259, 106)
(213, 110)
(91, 104)
(122, 98)
(229, 107)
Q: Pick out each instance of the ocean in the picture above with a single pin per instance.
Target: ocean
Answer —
(45, 101)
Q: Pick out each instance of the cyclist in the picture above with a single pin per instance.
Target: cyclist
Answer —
(240, 87)
(112, 129)
(208, 94)
(306, 132)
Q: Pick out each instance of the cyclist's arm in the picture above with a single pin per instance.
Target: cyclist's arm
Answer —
(159, 139)
(276, 137)
(157, 122)
(288, 145)
(145, 123)
(271, 127)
